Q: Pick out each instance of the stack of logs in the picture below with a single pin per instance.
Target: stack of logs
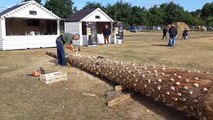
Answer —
(184, 90)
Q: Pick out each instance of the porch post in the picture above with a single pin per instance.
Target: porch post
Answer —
(80, 33)
(58, 27)
(3, 23)
(111, 36)
(3, 34)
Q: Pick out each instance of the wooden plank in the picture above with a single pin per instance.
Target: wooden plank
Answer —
(119, 100)
(113, 94)
(120, 87)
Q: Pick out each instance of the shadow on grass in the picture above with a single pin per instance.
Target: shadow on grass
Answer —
(160, 45)
(160, 108)
(55, 61)
(106, 80)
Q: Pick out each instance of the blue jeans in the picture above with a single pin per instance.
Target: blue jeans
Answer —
(61, 53)
(172, 41)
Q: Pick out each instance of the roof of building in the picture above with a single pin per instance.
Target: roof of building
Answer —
(79, 15)
(11, 9)
(22, 6)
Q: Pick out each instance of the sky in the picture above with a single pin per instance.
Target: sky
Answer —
(189, 5)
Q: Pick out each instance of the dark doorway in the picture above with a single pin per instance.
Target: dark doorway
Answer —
(93, 37)
(51, 27)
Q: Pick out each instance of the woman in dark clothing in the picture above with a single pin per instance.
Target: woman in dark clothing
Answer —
(164, 34)
(185, 34)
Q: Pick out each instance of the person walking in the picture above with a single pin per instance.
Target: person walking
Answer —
(67, 40)
(164, 33)
(106, 33)
(172, 35)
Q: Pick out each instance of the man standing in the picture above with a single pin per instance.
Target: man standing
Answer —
(106, 33)
(172, 34)
(66, 40)
(164, 33)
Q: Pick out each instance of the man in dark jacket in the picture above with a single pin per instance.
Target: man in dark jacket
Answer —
(173, 35)
(106, 33)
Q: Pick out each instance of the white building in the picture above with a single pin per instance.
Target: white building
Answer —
(89, 24)
(28, 25)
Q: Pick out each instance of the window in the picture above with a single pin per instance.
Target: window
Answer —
(33, 12)
(97, 17)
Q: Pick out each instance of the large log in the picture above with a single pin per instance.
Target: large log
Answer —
(184, 90)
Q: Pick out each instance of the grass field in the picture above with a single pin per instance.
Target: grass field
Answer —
(26, 98)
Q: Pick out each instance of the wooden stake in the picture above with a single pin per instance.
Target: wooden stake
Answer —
(68, 64)
(120, 87)
(119, 100)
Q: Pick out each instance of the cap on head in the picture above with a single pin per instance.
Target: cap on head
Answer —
(76, 37)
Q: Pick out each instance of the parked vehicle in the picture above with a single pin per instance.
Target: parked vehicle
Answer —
(133, 29)
(209, 28)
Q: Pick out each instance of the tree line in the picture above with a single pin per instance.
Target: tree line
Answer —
(158, 15)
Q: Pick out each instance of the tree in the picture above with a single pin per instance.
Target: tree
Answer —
(138, 16)
(62, 8)
(163, 14)
(155, 16)
(111, 11)
(120, 11)
(172, 13)
(196, 13)
(207, 10)
(207, 13)
(38, 1)
(209, 21)
(93, 5)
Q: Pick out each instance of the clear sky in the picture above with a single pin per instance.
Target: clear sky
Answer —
(190, 5)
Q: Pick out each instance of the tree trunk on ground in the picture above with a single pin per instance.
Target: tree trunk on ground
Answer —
(187, 91)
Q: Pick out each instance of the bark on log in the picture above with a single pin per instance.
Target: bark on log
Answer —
(187, 91)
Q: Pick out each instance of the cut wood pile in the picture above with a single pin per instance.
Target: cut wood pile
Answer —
(184, 90)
